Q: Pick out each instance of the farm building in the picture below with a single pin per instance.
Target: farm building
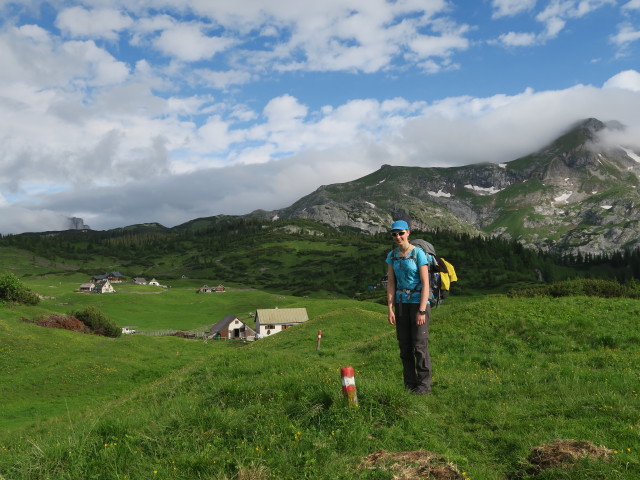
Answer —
(104, 286)
(208, 289)
(230, 327)
(270, 321)
(139, 281)
(154, 282)
(87, 287)
(113, 277)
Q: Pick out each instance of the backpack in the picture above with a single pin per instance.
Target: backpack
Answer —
(435, 268)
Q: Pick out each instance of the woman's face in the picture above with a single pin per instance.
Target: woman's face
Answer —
(399, 236)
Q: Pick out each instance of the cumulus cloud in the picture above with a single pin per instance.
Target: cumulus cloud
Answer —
(189, 43)
(127, 115)
(300, 149)
(627, 80)
(99, 23)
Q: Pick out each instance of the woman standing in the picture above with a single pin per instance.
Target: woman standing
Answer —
(409, 310)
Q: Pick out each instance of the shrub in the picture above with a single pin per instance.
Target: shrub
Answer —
(580, 287)
(13, 290)
(66, 322)
(98, 322)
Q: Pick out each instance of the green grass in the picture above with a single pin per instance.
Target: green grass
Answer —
(509, 374)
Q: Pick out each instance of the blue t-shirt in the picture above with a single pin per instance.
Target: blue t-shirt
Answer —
(407, 274)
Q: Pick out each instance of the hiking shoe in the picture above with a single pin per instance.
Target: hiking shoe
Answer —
(421, 391)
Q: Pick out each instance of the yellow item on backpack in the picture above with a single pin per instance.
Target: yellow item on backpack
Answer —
(447, 277)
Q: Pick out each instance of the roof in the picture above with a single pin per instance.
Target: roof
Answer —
(276, 316)
(222, 324)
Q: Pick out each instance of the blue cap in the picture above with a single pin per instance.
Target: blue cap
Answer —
(399, 225)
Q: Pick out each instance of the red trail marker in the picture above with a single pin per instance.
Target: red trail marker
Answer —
(349, 385)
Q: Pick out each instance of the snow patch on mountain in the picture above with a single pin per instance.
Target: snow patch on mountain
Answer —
(483, 190)
(439, 193)
(631, 154)
(564, 197)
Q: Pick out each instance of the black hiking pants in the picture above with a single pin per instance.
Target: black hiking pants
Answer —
(413, 341)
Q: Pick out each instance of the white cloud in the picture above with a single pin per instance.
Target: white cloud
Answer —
(627, 80)
(86, 117)
(223, 79)
(18, 220)
(632, 5)
(189, 44)
(513, 39)
(443, 45)
(626, 35)
(557, 12)
(285, 112)
(103, 23)
(296, 149)
(507, 8)
(554, 18)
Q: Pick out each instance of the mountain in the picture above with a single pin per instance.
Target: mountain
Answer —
(578, 194)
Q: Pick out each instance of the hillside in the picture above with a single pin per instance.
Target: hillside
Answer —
(510, 375)
(300, 257)
(578, 194)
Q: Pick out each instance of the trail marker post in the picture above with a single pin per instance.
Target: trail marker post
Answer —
(349, 385)
(319, 338)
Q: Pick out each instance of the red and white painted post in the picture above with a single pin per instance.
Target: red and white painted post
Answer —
(319, 338)
(349, 385)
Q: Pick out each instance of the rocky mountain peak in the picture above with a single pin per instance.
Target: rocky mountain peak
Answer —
(574, 195)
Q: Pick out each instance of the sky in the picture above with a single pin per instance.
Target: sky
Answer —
(122, 112)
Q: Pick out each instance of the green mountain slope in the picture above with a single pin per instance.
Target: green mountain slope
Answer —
(294, 256)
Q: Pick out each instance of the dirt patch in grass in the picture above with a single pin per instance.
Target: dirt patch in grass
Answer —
(564, 453)
(412, 465)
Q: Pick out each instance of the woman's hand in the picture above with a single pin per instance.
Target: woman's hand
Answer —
(392, 317)
(421, 318)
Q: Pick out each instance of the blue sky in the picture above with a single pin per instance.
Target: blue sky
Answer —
(165, 111)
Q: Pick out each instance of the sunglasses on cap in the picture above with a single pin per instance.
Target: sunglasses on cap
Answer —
(397, 234)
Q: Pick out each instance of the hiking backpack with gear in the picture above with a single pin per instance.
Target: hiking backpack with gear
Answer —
(439, 269)
(435, 298)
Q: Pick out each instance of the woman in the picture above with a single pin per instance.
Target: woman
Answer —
(409, 310)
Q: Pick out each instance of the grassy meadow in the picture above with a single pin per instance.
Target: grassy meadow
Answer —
(510, 374)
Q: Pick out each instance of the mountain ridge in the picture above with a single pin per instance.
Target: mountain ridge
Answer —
(578, 194)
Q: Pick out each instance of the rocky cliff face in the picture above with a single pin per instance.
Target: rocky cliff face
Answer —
(575, 195)
(76, 223)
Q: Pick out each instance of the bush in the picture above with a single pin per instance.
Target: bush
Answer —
(98, 322)
(587, 287)
(13, 290)
(66, 322)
